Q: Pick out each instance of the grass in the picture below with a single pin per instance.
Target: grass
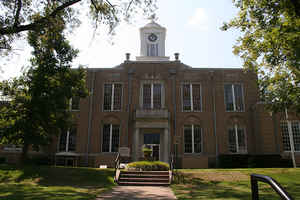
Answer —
(232, 184)
(59, 183)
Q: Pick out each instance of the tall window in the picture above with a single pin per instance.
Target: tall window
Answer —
(112, 96)
(75, 103)
(152, 96)
(285, 135)
(152, 49)
(67, 140)
(237, 139)
(192, 139)
(110, 140)
(191, 97)
(234, 97)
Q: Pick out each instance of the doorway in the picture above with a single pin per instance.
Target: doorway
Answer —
(152, 141)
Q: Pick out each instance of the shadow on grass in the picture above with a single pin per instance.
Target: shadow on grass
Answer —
(186, 187)
(67, 176)
(46, 182)
(31, 192)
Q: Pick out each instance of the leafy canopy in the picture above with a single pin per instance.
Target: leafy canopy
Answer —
(39, 102)
(19, 16)
(270, 45)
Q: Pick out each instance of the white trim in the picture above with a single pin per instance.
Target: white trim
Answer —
(193, 139)
(152, 95)
(236, 138)
(110, 137)
(112, 97)
(191, 97)
(233, 97)
(67, 142)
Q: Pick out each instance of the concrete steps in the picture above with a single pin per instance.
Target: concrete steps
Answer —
(149, 178)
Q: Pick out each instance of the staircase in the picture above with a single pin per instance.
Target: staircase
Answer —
(144, 178)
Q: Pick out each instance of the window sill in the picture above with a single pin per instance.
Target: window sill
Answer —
(237, 153)
(232, 111)
(193, 154)
(189, 111)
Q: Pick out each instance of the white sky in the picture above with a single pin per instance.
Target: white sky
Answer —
(193, 30)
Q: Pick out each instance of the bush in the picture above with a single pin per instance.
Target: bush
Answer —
(253, 161)
(149, 166)
(39, 160)
(2, 160)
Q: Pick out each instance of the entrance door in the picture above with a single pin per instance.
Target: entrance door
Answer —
(152, 141)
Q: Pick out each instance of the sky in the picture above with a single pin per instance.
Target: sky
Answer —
(193, 30)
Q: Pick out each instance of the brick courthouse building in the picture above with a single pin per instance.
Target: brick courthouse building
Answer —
(195, 113)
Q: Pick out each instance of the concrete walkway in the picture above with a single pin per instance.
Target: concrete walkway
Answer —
(139, 192)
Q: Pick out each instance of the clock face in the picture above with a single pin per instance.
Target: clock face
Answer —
(152, 37)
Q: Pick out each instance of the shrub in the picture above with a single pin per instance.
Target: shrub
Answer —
(2, 160)
(253, 161)
(149, 166)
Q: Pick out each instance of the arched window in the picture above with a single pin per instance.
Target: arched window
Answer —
(67, 140)
(237, 139)
(192, 139)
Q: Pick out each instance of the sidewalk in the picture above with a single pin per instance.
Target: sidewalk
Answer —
(138, 192)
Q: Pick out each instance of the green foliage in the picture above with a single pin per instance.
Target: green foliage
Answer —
(39, 100)
(149, 166)
(257, 161)
(233, 184)
(19, 16)
(270, 46)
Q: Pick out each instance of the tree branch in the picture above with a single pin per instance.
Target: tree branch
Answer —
(19, 28)
(16, 23)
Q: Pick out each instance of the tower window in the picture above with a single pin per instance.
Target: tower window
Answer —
(152, 49)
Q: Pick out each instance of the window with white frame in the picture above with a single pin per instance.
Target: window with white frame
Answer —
(234, 97)
(110, 139)
(191, 97)
(192, 139)
(295, 133)
(152, 96)
(112, 97)
(67, 140)
(237, 139)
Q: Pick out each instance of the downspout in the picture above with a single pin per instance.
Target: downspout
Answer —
(173, 74)
(130, 72)
(214, 117)
(90, 119)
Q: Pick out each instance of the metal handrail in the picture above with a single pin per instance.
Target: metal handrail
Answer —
(266, 179)
(117, 166)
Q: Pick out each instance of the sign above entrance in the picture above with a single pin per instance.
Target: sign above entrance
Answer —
(124, 151)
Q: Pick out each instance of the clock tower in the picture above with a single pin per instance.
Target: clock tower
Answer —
(153, 38)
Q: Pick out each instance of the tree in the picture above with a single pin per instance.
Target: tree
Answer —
(40, 99)
(17, 16)
(270, 45)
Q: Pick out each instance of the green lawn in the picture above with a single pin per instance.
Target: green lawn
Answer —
(59, 183)
(232, 184)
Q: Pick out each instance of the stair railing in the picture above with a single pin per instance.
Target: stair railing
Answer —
(266, 179)
(171, 164)
(117, 168)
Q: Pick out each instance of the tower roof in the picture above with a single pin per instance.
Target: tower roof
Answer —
(152, 24)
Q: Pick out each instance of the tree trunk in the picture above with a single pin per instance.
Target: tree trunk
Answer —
(24, 155)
